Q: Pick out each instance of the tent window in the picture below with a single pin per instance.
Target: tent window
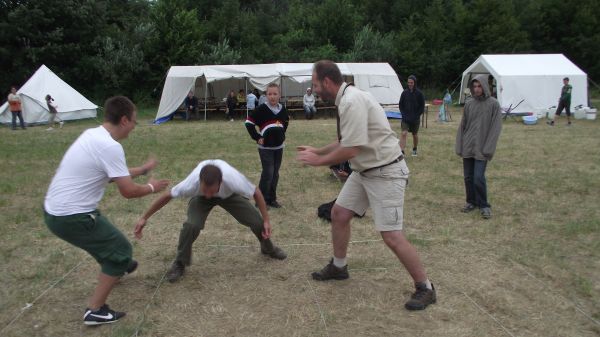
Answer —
(378, 82)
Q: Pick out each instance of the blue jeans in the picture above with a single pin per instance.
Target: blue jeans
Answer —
(475, 185)
(15, 115)
(309, 111)
(271, 162)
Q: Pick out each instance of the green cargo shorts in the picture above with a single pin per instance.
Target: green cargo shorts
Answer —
(95, 234)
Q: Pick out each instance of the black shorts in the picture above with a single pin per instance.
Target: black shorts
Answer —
(412, 127)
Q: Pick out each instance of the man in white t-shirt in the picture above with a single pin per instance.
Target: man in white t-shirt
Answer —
(214, 183)
(71, 212)
(378, 179)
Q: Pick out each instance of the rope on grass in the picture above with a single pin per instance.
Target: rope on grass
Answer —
(555, 293)
(293, 244)
(160, 282)
(29, 305)
(487, 313)
(318, 306)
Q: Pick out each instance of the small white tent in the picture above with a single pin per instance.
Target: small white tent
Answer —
(214, 81)
(71, 104)
(534, 78)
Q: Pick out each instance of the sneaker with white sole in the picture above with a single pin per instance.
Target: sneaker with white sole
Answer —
(104, 315)
(414, 153)
(50, 129)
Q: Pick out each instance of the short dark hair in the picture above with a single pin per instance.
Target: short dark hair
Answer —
(327, 68)
(565, 79)
(211, 175)
(273, 85)
(116, 107)
(412, 77)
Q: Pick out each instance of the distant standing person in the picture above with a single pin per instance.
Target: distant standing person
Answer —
(71, 212)
(262, 99)
(231, 105)
(14, 102)
(564, 102)
(52, 110)
(272, 121)
(214, 183)
(378, 179)
(309, 104)
(251, 101)
(412, 106)
(476, 141)
(191, 105)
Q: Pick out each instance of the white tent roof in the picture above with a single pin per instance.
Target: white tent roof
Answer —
(536, 78)
(71, 104)
(378, 78)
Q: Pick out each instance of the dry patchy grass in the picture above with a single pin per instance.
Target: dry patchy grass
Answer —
(532, 270)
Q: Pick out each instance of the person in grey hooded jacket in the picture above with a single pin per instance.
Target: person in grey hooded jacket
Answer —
(476, 141)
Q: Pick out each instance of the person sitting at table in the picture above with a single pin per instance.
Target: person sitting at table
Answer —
(309, 104)
(191, 105)
(241, 99)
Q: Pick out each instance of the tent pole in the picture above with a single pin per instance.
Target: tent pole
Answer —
(205, 97)
(246, 93)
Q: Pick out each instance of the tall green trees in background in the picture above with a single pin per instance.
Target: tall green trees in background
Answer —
(104, 47)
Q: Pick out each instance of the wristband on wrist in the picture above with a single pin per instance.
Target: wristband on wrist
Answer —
(151, 187)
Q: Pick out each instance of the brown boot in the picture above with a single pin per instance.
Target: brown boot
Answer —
(176, 272)
(421, 298)
(269, 249)
(331, 272)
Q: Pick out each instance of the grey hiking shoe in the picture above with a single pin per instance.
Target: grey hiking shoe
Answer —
(468, 207)
(486, 212)
(421, 298)
(176, 272)
(331, 272)
(274, 252)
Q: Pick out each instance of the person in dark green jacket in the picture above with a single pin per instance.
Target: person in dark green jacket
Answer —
(564, 102)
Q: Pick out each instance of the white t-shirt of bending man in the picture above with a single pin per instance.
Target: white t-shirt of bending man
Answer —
(85, 170)
(233, 182)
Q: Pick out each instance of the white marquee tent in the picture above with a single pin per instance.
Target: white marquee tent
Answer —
(534, 78)
(215, 81)
(71, 104)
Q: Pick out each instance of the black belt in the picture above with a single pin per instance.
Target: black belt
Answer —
(397, 160)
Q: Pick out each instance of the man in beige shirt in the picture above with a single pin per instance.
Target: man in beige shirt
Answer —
(378, 180)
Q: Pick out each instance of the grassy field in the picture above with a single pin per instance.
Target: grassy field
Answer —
(531, 270)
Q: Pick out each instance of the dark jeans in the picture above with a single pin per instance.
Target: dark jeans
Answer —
(309, 111)
(475, 185)
(563, 105)
(198, 209)
(16, 114)
(271, 162)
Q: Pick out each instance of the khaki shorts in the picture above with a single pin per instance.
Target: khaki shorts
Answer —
(382, 189)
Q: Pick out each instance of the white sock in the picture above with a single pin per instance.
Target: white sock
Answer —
(428, 284)
(340, 263)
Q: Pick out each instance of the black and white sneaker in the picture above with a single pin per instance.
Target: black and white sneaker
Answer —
(103, 315)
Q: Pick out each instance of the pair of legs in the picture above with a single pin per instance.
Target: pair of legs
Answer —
(309, 111)
(383, 190)
(475, 183)
(95, 234)
(15, 115)
(189, 112)
(562, 105)
(269, 177)
(395, 240)
(198, 209)
(412, 127)
(53, 118)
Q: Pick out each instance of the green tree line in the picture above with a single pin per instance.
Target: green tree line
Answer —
(106, 47)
